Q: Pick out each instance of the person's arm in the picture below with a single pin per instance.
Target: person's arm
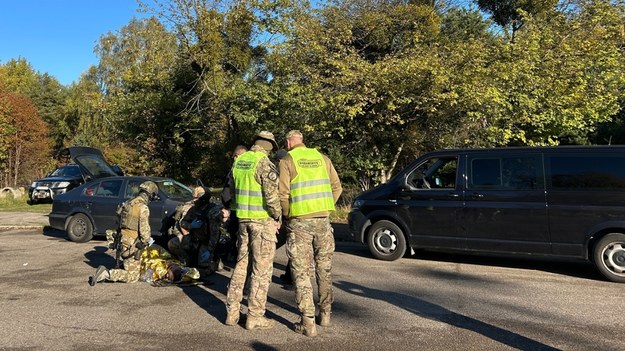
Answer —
(284, 184)
(335, 182)
(267, 176)
(227, 194)
(144, 224)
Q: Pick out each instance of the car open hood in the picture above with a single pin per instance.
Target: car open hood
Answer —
(90, 160)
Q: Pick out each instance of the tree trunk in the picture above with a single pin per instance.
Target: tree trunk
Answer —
(16, 169)
(384, 174)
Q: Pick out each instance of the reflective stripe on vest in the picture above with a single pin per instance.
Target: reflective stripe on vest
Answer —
(248, 196)
(310, 190)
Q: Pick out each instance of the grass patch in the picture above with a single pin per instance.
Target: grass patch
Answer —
(340, 215)
(10, 204)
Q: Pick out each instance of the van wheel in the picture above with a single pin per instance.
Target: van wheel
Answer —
(386, 241)
(79, 228)
(609, 257)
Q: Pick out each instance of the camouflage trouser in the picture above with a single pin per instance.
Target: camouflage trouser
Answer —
(256, 239)
(129, 274)
(308, 239)
(182, 249)
(187, 250)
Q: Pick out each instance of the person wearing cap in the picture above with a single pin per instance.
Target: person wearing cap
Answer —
(258, 208)
(309, 187)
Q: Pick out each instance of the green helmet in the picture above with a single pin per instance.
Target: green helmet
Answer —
(149, 187)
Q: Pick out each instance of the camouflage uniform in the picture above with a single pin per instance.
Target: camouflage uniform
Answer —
(206, 237)
(140, 212)
(309, 238)
(257, 238)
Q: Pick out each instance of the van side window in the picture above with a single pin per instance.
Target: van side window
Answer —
(435, 173)
(587, 172)
(522, 172)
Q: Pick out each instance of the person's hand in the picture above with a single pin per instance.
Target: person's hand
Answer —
(278, 225)
(225, 214)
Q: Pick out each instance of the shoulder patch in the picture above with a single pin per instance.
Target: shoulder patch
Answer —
(273, 176)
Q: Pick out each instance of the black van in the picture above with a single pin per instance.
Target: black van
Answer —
(554, 201)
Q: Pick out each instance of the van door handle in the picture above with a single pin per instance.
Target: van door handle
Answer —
(453, 195)
(477, 195)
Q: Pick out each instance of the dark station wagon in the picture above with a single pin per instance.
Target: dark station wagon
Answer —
(90, 209)
(551, 201)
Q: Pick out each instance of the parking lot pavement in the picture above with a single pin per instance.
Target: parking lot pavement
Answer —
(23, 220)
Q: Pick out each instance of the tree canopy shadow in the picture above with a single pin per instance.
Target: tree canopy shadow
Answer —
(436, 312)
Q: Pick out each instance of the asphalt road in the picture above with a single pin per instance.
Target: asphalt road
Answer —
(434, 301)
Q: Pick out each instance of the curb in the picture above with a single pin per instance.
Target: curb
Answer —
(5, 227)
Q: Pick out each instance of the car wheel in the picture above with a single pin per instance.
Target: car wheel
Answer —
(609, 257)
(79, 228)
(386, 241)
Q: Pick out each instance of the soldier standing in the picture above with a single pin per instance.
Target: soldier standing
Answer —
(228, 201)
(135, 235)
(258, 208)
(309, 187)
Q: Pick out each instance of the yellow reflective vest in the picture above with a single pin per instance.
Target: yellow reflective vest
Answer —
(249, 199)
(310, 190)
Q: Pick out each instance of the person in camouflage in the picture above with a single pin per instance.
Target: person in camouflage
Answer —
(229, 248)
(258, 207)
(201, 227)
(135, 235)
(309, 187)
(180, 245)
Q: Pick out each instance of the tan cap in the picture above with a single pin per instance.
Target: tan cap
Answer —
(268, 136)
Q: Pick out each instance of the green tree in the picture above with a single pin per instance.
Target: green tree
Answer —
(562, 77)
(509, 14)
(140, 105)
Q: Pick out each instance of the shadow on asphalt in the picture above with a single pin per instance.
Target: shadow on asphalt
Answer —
(433, 311)
(569, 267)
(54, 233)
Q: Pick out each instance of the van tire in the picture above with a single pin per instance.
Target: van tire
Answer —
(386, 241)
(79, 228)
(609, 257)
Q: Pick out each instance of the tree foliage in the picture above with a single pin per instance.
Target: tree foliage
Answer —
(24, 139)
(373, 83)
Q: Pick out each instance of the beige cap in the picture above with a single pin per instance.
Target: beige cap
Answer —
(268, 136)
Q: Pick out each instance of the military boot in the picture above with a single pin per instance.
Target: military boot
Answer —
(232, 318)
(306, 326)
(101, 274)
(324, 318)
(261, 322)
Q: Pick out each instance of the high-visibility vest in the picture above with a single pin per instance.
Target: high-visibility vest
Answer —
(310, 190)
(250, 202)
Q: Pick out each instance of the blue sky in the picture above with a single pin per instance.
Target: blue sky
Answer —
(58, 36)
